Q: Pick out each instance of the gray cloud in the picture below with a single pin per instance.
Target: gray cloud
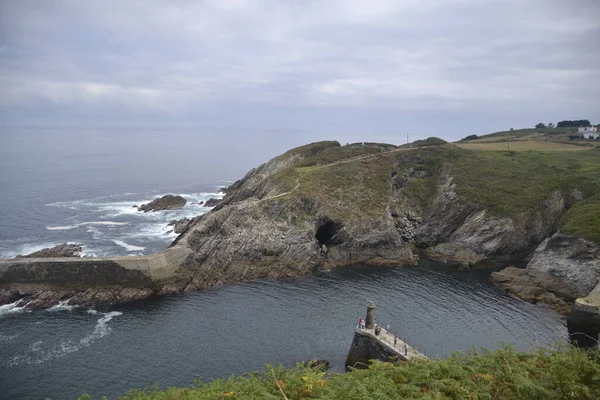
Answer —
(313, 64)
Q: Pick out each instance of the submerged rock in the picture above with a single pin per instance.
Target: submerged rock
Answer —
(167, 202)
(61, 250)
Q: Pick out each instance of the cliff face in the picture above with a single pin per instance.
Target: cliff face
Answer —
(308, 210)
(562, 269)
(324, 205)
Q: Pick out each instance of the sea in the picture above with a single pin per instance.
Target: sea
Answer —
(79, 185)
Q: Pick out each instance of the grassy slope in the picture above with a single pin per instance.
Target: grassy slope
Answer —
(522, 145)
(506, 183)
(527, 134)
(499, 374)
(583, 219)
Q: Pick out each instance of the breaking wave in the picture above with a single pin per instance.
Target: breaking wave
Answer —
(63, 305)
(111, 226)
(100, 223)
(128, 247)
(13, 308)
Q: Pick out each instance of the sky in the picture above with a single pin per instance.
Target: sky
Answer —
(348, 69)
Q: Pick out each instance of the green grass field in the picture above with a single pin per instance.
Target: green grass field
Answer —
(522, 145)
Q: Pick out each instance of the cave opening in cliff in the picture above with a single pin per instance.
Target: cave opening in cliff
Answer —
(326, 232)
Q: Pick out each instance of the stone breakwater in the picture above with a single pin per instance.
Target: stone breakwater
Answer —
(44, 282)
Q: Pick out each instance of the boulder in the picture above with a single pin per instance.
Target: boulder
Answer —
(179, 225)
(537, 286)
(61, 250)
(212, 202)
(167, 202)
(9, 296)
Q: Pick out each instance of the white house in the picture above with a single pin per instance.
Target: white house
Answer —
(590, 135)
(583, 129)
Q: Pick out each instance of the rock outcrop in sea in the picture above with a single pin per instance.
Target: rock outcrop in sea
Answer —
(212, 202)
(167, 202)
(60, 250)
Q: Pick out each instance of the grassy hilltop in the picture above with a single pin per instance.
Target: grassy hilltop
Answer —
(506, 183)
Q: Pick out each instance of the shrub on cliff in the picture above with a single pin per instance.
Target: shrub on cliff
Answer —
(498, 374)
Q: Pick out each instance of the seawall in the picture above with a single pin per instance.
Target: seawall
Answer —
(75, 272)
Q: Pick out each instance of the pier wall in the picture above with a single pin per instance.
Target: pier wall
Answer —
(137, 271)
(365, 347)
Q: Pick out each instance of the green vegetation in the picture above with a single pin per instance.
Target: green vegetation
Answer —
(577, 123)
(352, 190)
(499, 374)
(334, 154)
(470, 137)
(510, 183)
(311, 149)
(583, 220)
(524, 145)
(355, 182)
(541, 133)
(430, 141)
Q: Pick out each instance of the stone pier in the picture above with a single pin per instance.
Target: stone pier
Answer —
(367, 346)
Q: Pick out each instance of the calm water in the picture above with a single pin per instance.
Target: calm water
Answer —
(240, 328)
(79, 185)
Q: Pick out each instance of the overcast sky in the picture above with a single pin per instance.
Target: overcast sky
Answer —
(349, 68)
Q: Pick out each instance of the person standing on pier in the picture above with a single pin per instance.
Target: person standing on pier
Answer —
(387, 328)
(405, 349)
(395, 341)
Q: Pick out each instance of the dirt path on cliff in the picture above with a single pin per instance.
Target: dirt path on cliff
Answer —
(346, 161)
(360, 158)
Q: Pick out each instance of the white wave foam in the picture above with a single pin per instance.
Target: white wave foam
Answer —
(13, 308)
(73, 205)
(88, 223)
(128, 247)
(63, 305)
(92, 311)
(119, 208)
(27, 249)
(61, 228)
(100, 330)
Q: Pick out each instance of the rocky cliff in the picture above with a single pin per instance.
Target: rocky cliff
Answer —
(323, 205)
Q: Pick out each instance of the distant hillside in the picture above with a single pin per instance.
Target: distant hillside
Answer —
(540, 139)
(530, 133)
